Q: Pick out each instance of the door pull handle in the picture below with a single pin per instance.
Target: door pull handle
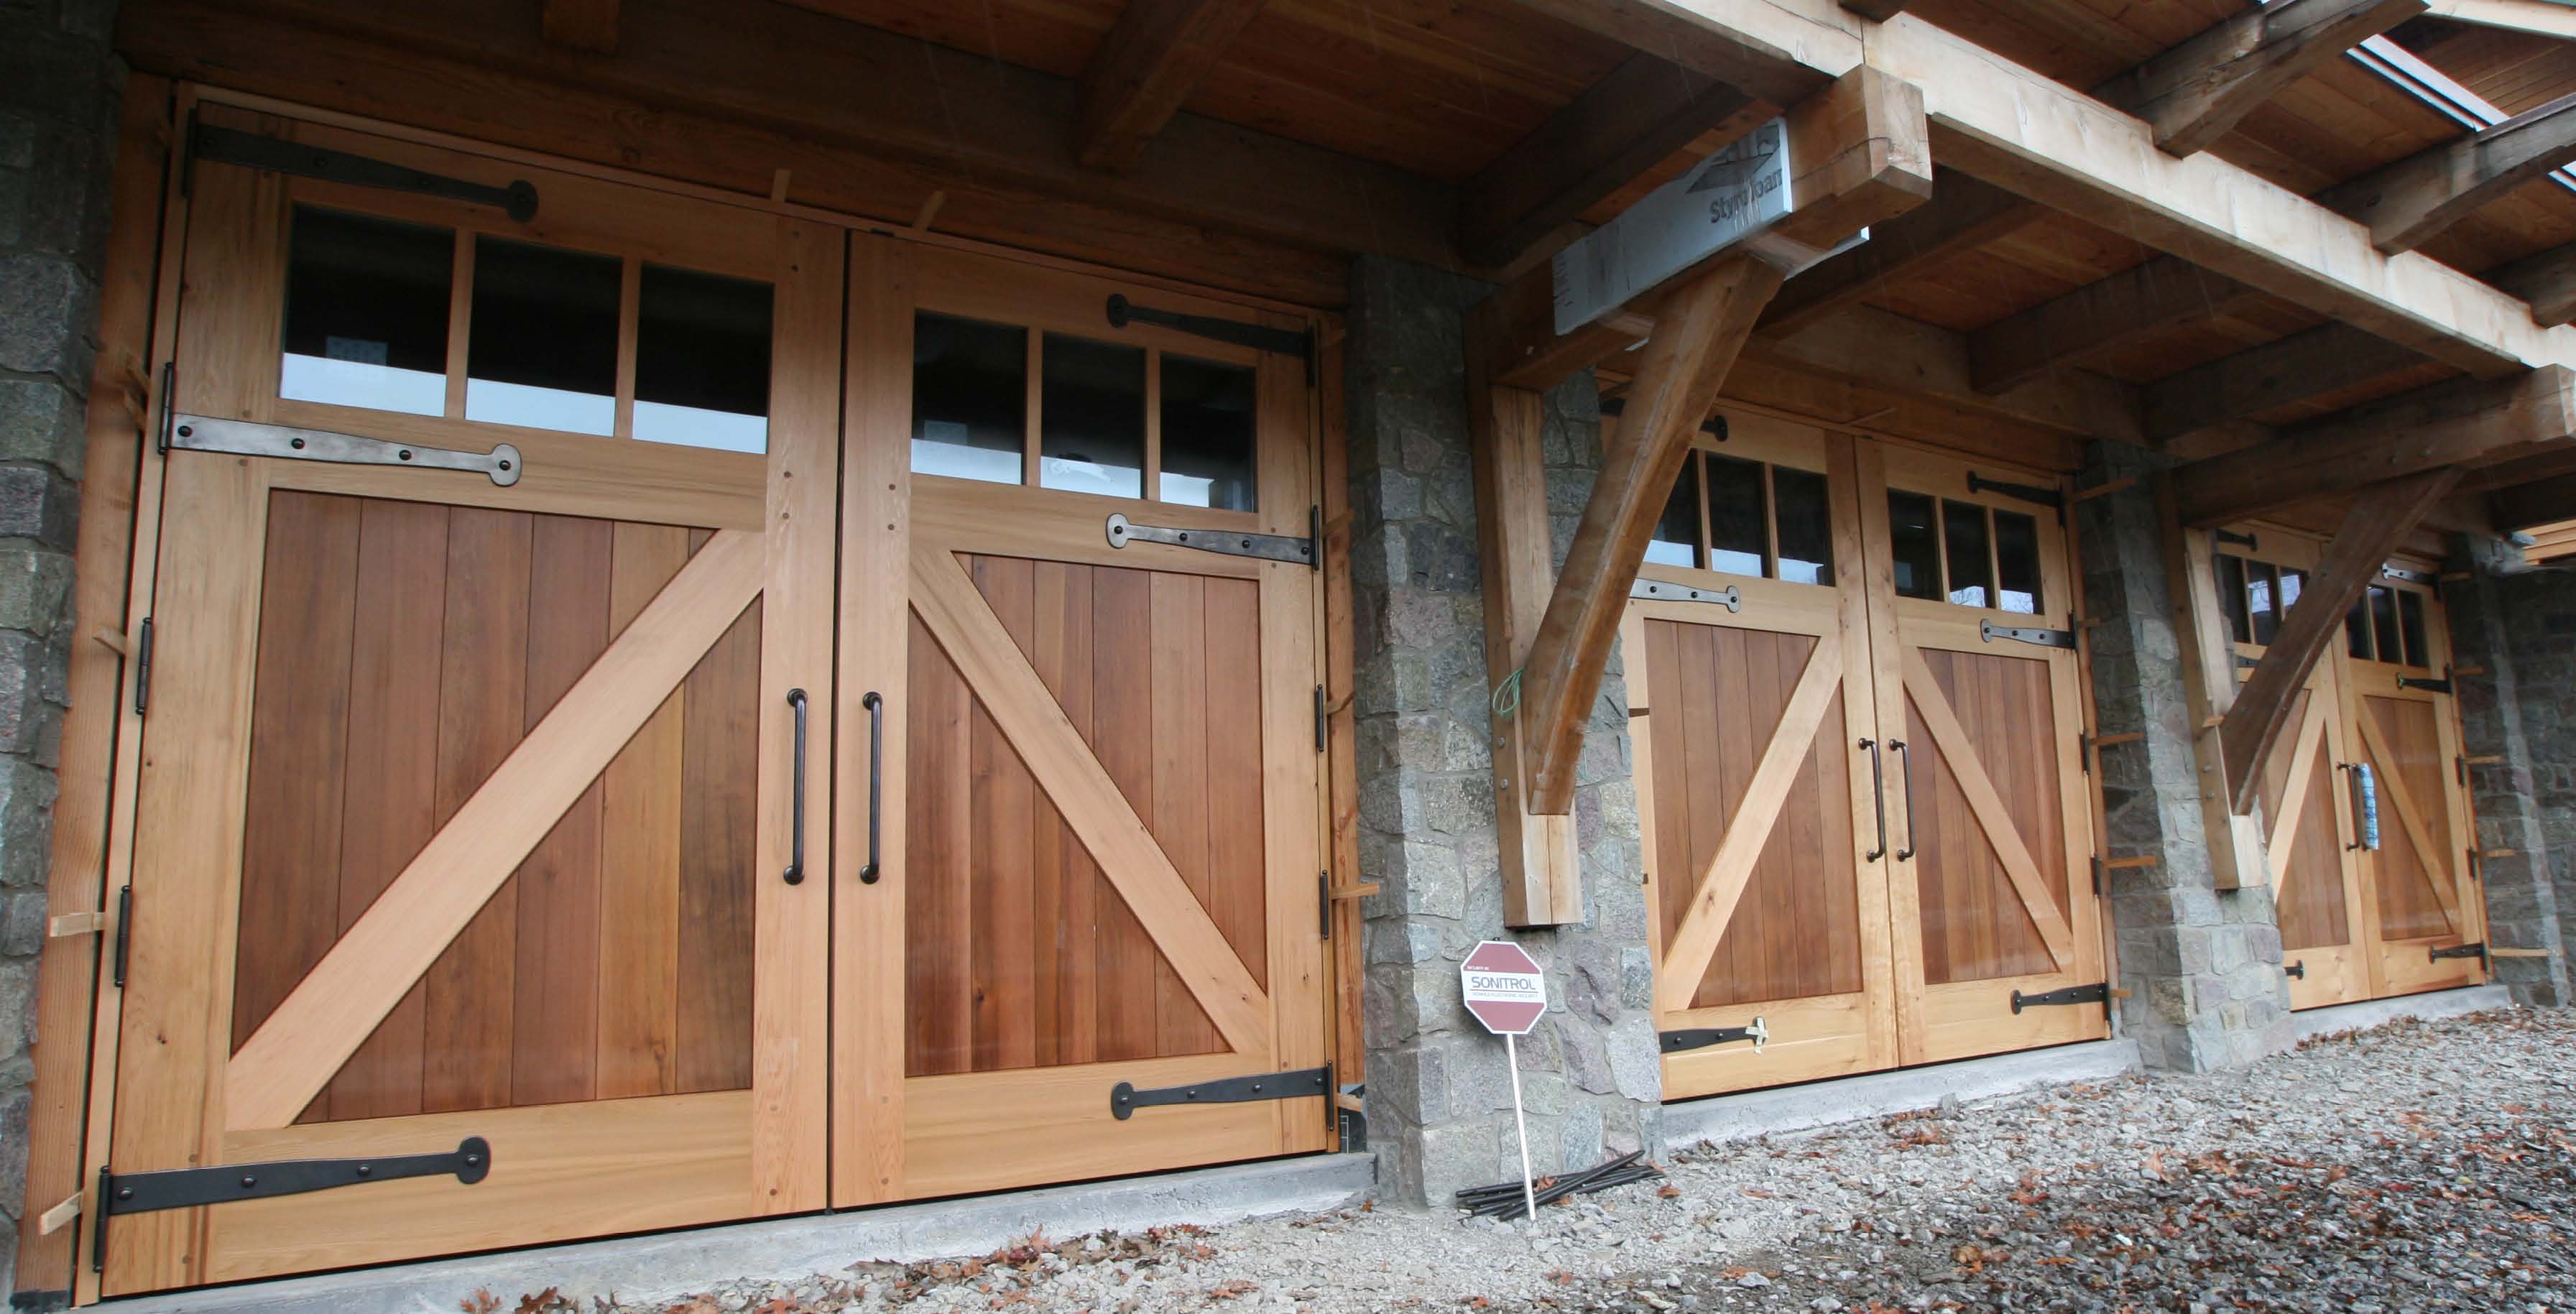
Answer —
(795, 874)
(1878, 796)
(1905, 763)
(876, 778)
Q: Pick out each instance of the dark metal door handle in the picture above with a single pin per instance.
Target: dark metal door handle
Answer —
(1905, 762)
(2365, 806)
(1877, 795)
(876, 775)
(796, 838)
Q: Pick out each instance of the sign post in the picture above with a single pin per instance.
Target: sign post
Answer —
(1503, 987)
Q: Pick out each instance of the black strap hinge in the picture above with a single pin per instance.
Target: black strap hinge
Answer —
(1702, 1037)
(1259, 337)
(2043, 637)
(2442, 685)
(1324, 903)
(516, 198)
(2245, 541)
(143, 668)
(2298, 969)
(2476, 949)
(1125, 1099)
(124, 933)
(1231, 542)
(2097, 993)
(2047, 497)
(1714, 426)
(187, 1188)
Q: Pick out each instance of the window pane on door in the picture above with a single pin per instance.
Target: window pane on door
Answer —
(1739, 532)
(2383, 625)
(1091, 408)
(2356, 629)
(1208, 430)
(1676, 540)
(702, 360)
(970, 398)
(2410, 626)
(2017, 563)
(2231, 596)
(1972, 576)
(542, 347)
(366, 312)
(1804, 522)
(1914, 544)
(2262, 602)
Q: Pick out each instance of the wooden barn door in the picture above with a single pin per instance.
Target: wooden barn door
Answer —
(490, 552)
(1105, 866)
(1756, 745)
(1997, 940)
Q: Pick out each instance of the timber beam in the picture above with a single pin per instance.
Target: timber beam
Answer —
(2538, 502)
(2546, 280)
(1641, 114)
(1962, 215)
(2410, 202)
(2099, 318)
(2466, 424)
(2195, 93)
(2306, 364)
(2379, 519)
(1153, 57)
(581, 24)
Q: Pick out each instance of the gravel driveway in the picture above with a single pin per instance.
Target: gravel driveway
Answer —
(2416, 1167)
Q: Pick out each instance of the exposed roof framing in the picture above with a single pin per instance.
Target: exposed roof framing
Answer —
(2408, 202)
(1153, 57)
(1644, 111)
(1962, 215)
(2321, 360)
(2546, 280)
(2538, 17)
(581, 24)
(2471, 423)
(2193, 94)
(2099, 318)
(2541, 502)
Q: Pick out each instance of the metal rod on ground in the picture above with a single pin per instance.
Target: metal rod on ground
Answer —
(1529, 1189)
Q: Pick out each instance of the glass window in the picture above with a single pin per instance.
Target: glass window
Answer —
(1963, 534)
(1676, 540)
(702, 360)
(1739, 532)
(2383, 624)
(2231, 596)
(970, 398)
(2292, 583)
(1091, 408)
(2410, 625)
(2262, 601)
(1914, 544)
(542, 346)
(1207, 434)
(1804, 523)
(366, 312)
(2017, 563)
(2356, 629)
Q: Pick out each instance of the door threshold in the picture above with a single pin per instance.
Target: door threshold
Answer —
(2335, 1019)
(1744, 1115)
(667, 1266)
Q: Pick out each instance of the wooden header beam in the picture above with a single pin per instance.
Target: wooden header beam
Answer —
(2546, 280)
(2292, 369)
(1153, 57)
(2098, 318)
(582, 24)
(2410, 202)
(1962, 215)
(2193, 94)
(2539, 502)
(2461, 424)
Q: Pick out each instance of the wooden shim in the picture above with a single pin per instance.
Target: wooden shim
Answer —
(334, 1008)
(1088, 800)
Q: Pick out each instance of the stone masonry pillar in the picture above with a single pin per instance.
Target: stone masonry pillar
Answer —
(1439, 1094)
(59, 89)
(2516, 630)
(2202, 965)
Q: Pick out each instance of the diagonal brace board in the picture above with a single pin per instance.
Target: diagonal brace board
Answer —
(2295, 788)
(337, 1005)
(1987, 803)
(1088, 800)
(1730, 869)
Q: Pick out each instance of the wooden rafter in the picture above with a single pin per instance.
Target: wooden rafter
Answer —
(582, 24)
(1962, 215)
(1151, 60)
(2292, 369)
(2099, 318)
(2546, 280)
(2378, 520)
(1699, 327)
(2472, 423)
(2411, 201)
(1643, 112)
(2193, 94)
(2538, 502)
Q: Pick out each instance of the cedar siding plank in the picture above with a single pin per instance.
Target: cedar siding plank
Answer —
(719, 780)
(555, 997)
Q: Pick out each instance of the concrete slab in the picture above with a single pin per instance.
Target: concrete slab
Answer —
(2336, 1018)
(669, 1265)
(1721, 1118)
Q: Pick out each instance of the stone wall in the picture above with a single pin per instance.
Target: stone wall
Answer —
(1439, 1091)
(2202, 965)
(59, 88)
(2517, 629)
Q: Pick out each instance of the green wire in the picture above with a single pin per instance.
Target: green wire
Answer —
(1507, 696)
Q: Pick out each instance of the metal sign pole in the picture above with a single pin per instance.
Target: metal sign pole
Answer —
(1529, 1189)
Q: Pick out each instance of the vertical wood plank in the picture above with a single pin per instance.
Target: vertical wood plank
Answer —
(1000, 889)
(1179, 819)
(1122, 698)
(940, 825)
(482, 714)
(1061, 872)
(393, 768)
(719, 784)
(555, 1023)
(1238, 871)
(639, 858)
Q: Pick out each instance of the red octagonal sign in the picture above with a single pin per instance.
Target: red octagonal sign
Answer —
(1503, 987)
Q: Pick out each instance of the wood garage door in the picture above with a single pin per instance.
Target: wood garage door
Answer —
(1102, 873)
(2371, 872)
(488, 555)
